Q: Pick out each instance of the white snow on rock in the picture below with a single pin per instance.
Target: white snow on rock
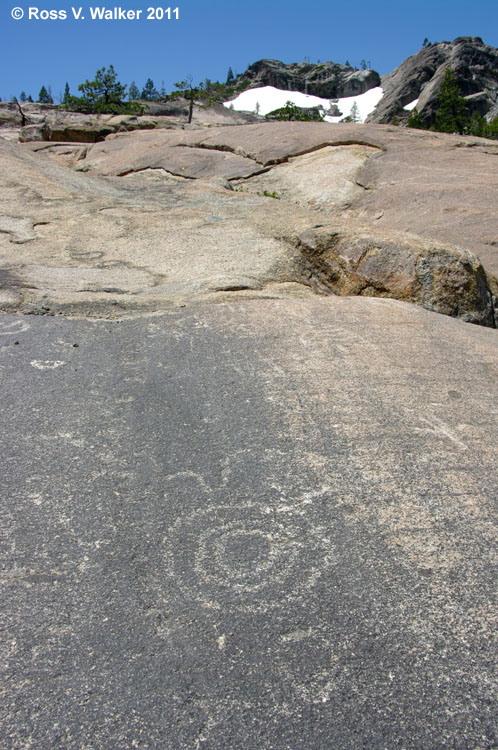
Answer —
(267, 98)
(411, 106)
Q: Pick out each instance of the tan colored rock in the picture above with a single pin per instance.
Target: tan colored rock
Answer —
(155, 214)
(76, 242)
(438, 277)
(440, 186)
(79, 128)
(324, 180)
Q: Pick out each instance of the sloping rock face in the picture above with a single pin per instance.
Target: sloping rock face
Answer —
(328, 79)
(473, 63)
(250, 525)
(150, 219)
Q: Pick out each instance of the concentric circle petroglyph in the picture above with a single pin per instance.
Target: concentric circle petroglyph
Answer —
(248, 556)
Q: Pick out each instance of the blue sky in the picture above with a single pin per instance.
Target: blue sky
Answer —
(212, 35)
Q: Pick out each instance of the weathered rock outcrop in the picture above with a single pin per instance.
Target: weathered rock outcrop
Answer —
(40, 122)
(440, 278)
(328, 79)
(79, 128)
(161, 217)
(473, 63)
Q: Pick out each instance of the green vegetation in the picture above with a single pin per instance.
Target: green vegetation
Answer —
(271, 195)
(451, 116)
(45, 96)
(149, 91)
(415, 120)
(293, 112)
(105, 94)
(133, 92)
(355, 113)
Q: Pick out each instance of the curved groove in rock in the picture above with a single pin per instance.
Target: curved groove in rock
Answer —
(327, 144)
(156, 169)
(284, 159)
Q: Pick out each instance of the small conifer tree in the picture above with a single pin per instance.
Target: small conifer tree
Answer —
(133, 92)
(450, 116)
(43, 96)
(149, 91)
(355, 113)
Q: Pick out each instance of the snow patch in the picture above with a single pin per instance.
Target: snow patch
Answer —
(267, 98)
(411, 106)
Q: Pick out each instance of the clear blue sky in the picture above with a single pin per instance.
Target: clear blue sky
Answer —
(212, 35)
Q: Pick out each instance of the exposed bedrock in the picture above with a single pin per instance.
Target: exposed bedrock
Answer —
(150, 219)
(328, 79)
(440, 278)
(473, 63)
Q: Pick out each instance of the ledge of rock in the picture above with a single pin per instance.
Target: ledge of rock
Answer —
(444, 279)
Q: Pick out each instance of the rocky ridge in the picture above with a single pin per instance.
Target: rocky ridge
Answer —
(41, 122)
(328, 79)
(473, 63)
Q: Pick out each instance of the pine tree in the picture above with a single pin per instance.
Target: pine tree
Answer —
(67, 94)
(415, 119)
(133, 92)
(50, 97)
(355, 113)
(149, 91)
(30, 98)
(189, 91)
(43, 97)
(105, 92)
(347, 64)
(450, 116)
(230, 76)
(22, 96)
(363, 65)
